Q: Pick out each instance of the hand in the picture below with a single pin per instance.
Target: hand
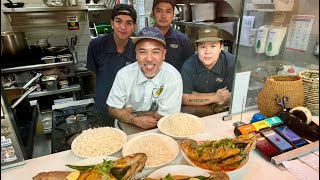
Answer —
(222, 95)
(145, 122)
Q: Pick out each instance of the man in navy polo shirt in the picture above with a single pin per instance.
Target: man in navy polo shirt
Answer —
(208, 75)
(108, 54)
(179, 47)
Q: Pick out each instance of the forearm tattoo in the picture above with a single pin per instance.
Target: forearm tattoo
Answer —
(198, 100)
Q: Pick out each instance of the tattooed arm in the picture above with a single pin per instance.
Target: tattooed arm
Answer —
(199, 99)
(144, 120)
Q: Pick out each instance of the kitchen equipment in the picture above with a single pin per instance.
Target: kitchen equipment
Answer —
(14, 43)
(48, 59)
(55, 51)
(184, 12)
(73, 2)
(203, 12)
(51, 82)
(64, 57)
(13, 5)
(55, 3)
(275, 38)
(70, 119)
(63, 84)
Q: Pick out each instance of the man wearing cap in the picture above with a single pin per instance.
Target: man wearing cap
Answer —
(179, 47)
(109, 53)
(148, 89)
(208, 75)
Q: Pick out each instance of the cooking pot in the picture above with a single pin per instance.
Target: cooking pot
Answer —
(14, 43)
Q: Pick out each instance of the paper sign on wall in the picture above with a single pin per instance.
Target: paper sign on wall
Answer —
(299, 32)
(73, 23)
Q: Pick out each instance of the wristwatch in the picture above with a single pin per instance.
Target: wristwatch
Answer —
(135, 114)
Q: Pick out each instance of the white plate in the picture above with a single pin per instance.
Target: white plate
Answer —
(166, 122)
(94, 160)
(177, 170)
(111, 141)
(209, 136)
(155, 146)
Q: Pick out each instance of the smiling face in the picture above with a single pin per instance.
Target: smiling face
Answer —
(209, 52)
(123, 27)
(163, 14)
(150, 55)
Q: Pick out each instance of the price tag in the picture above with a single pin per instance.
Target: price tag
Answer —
(261, 125)
(73, 23)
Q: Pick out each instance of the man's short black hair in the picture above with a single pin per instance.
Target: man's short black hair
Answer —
(119, 9)
(172, 2)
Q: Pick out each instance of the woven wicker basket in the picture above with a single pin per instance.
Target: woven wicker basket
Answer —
(310, 79)
(280, 85)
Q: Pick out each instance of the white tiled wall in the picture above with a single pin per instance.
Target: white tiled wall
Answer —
(41, 25)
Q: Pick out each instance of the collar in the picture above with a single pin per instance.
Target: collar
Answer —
(170, 33)
(217, 68)
(111, 47)
(155, 80)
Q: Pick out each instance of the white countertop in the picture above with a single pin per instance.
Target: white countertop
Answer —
(256, 168)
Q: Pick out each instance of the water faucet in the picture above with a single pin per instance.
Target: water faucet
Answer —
(261, 68)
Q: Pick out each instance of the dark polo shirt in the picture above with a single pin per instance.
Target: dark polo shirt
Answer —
(179, 48)
(196, 78)
(103, 59)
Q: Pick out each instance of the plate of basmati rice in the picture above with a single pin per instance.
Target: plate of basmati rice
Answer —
(180, 125)
(160, 149)
(102, 141)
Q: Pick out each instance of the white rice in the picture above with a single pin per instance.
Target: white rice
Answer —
(181, 124)
(98, 142)
(156, 148)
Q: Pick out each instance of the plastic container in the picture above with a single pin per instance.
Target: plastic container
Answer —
(64, 57)
(49, 59)
(63, 84)
(203, 12)
(51, 82)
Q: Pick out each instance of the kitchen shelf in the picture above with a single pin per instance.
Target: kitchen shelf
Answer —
(36, 66)
(227, 26)
(43, 9)
(71, 88)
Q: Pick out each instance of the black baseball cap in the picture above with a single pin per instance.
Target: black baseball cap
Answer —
(172, 2)
(149, 33)
(119, 9)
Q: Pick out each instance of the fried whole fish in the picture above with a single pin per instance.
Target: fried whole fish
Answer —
(122, 169)
(216, 175)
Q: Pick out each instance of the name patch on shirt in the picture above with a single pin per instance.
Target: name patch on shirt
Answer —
(219, 79)
(157, 91)
(174, 45)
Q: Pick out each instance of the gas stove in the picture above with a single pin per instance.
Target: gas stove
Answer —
(70, 119)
